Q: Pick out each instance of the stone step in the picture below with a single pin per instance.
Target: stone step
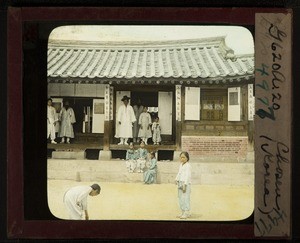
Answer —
(115, 171)
(80, 154)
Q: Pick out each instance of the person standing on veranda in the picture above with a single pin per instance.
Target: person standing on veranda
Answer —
(138, 109)
(125, 120)
(67, 118)
(145, 126)
(156, 130)
(51, 121)
(183, 181)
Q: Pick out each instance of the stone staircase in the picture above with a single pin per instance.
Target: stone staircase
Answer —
(213, 172)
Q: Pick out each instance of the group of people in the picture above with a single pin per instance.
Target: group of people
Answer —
(136, 160)
(75, 199)
(136, 123)
(65, 118)
(132, 124)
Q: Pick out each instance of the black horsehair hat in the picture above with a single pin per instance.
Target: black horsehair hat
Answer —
(125, 97)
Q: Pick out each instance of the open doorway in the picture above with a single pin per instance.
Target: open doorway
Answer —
(160, 104)
(79, 106)
(149, 99)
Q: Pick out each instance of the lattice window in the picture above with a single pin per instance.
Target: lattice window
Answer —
(213, 106)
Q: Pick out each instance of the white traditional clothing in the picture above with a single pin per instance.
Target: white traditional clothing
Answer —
(141, 156)
(156, 138)
(145, 130)
(130, 160)
(67, 117)
(126, 116)
(184, 178)
(138, 110)
(57, 124)
(150, 174)
(51, 119)
(75, 200)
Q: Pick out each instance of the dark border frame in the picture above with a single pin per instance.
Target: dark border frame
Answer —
(22, 176)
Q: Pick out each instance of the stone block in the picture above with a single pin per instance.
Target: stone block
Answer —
(176, 155)
(68, 154)
(105, 155)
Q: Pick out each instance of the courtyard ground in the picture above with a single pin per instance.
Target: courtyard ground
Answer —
(137, 201)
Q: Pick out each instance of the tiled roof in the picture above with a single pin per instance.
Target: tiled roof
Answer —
(203, 60)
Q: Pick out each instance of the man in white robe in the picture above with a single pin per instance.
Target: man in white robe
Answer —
(75, 200)
(51, 121)
(125, 120)
(67, 118)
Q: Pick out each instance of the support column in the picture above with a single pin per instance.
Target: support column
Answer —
(105, 154)
(178, 120)
(250, 127)
(250, 109)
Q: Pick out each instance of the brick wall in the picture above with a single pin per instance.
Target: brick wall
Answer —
(207, 146)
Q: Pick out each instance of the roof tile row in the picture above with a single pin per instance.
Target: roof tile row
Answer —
(191, 62)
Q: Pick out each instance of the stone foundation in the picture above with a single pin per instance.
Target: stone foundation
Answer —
(204, 173)
(69, 154)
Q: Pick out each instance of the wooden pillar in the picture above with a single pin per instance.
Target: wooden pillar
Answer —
(178, 135)
(105, 154)
(106, 136)
(178, 98)
(250, 116)
(106, 118)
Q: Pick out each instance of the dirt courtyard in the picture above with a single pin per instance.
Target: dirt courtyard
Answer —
(137, 201)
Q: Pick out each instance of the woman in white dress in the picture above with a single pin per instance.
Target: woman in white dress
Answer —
(138, 109)
(67, 118)
(145, 126)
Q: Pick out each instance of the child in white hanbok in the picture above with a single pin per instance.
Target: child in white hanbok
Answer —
(156, 138)
(131, 158)
(141, 157)
(183, 181)
(145, 126)
(150, 174)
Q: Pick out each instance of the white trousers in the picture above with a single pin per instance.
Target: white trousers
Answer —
(50, 131)
(131, 165)
(184, 198)
(141, 163)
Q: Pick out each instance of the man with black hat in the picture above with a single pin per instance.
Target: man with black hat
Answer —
(125, 120)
